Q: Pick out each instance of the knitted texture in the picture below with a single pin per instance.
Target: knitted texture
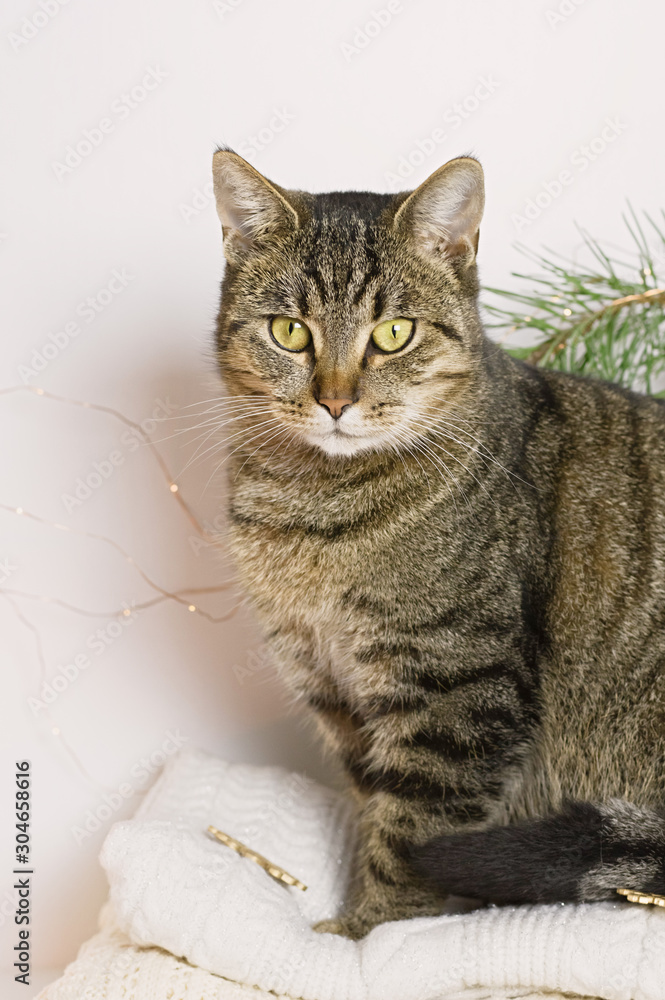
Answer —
(173, 888)
(110, 967)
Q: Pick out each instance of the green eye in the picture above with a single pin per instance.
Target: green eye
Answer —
(392, 334)
(290, 333)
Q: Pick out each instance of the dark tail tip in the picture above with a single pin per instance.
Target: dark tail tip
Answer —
(583, 853)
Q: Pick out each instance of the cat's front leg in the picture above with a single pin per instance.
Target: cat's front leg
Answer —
(385, 887)
(437, 763)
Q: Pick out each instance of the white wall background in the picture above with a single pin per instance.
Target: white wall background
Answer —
(139, 204)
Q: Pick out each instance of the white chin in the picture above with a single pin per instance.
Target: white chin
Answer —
(345, 444)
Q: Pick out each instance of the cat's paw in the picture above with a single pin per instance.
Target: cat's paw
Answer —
(350, 927)
(328, 927)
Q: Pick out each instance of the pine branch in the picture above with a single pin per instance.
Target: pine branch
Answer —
(582, 326)
(607, 320)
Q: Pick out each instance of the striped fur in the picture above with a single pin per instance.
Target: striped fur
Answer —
(471, 598)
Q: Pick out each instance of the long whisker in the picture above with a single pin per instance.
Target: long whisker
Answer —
(227, 406)
(404, 440)
(485, 457)
(231, 406)
(427, 429)
(227, 399)
(291, 437)
(426, 448)
(223, 418)
(220, 444)
(469, 448)
(255, 427)
(444, 418)
(430, 456)
(201, 452)
(242, 444)
(455, 409)
(214, 422)
(280, 430)
(444, 472)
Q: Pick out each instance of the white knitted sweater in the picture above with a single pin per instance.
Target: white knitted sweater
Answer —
(227, 930)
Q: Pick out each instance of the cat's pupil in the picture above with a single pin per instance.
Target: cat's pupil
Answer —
(291, 327)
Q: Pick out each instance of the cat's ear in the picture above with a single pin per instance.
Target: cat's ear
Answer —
(443, 215)
(250, 208)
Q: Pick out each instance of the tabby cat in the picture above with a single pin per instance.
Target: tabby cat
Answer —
(459, 559)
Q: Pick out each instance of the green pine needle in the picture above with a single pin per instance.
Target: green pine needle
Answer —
(607, 320)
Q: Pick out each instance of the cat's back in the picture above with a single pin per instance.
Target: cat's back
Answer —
(598, 457)
(590, 439)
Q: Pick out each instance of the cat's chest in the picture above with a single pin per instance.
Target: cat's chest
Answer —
(335, 584)
(311, 595)
(295, 578)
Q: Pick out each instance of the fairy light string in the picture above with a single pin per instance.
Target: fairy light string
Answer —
(182, 596)
(84, 404)
(165, 594)
(55, 730)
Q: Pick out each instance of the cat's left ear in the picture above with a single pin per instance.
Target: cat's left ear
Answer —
(250, 208)
(443, 215)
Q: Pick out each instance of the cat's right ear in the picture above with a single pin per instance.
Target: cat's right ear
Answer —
(250, 208)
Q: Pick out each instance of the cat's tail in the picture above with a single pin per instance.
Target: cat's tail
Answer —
(586, 852)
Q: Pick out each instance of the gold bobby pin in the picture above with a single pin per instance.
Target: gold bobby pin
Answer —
(646, 898)
(246, 852)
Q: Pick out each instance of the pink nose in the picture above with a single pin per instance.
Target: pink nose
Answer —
(336, 406)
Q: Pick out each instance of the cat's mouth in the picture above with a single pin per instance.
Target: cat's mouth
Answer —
(338, 441)
(338, 433)
(348, 434)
